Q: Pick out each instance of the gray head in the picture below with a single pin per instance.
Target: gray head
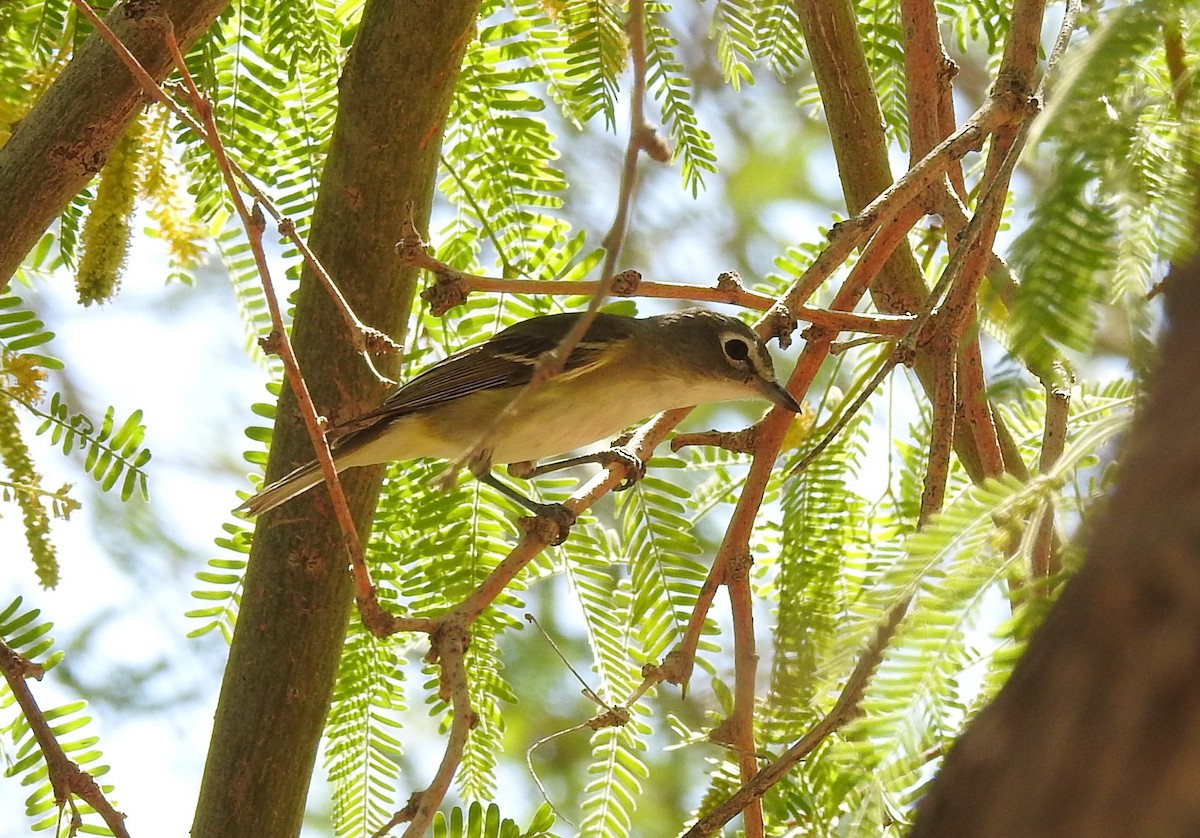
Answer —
(723, 348)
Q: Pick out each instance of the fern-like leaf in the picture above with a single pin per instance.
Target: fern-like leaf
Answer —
(477, 822)
(671, 85)
(113, 450)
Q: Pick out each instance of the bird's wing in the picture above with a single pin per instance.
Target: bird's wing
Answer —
(506, 360)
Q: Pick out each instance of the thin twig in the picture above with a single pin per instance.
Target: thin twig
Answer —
(67, 779)
(845, 709)
(928, 73)
(841, 346)
(958, 284)
(365, 338)
(977, 407)
(941, 437)
(1061, 41)
(551, 363)
(846, 236)
(253, 223)
(1045, 561)
(450, 649)
(641, 135)
(454, 624)
(452, 287)
(677, 667)
(741, 722)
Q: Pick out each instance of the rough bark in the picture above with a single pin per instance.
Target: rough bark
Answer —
(394, 96)
(65, 139)
(1098, 730)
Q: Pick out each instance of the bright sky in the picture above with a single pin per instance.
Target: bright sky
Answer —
(176, 353)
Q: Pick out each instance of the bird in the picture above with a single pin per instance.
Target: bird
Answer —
(624, 370)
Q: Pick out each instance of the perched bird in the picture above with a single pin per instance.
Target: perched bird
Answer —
(624, 370)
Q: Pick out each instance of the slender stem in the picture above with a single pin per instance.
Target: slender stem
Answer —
(66, 777)
(677, 668)
(364, 336)
(741, 727)
(849, 235)
(253, 223)
(845, 709)
(977, 408)
(552, 362)
(614, 240)
(451, 650)
(1045, 560)
(452, 287)
(941, 438)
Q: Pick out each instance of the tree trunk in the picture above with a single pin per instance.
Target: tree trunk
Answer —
(395, 93)
(1098, 730)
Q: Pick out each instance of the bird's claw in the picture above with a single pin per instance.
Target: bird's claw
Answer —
(552, 523)
(635, 469)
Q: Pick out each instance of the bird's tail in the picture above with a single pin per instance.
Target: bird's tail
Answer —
(283, 489)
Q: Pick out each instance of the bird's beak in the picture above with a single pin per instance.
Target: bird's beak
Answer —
(774, 391)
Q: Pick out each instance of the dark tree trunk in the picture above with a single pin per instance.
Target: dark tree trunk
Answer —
(1098, 730)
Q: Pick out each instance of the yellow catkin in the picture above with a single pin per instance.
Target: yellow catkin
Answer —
(27, 492)
(800, 429)
(105, 237)
(171, 207)
(23, 376)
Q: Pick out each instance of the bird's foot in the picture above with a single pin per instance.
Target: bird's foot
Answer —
(635, 469)
(551, 523)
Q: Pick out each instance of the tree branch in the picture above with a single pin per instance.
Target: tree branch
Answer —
(66, 777)
(68, 135)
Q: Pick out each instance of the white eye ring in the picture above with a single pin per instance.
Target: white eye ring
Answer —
(736, 349)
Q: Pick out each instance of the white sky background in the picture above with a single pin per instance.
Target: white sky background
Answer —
(176, 353)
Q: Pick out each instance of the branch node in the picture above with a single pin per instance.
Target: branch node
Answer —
(410, 239)
(271, 343)
(258, 221)
(730, 281)
(656, 146)
(738, 565)
(905, 355)
(613, 717)
(446, 293)
(778, 322)
(625, 283)
(676, 668)
(722, 734)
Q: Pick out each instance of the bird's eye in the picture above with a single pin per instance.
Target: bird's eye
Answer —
(737, 349)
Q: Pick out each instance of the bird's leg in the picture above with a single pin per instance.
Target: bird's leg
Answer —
(555, 513)
(635, 469)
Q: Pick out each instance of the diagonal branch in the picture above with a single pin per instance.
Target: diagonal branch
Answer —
(66, 777)
(67, 136)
